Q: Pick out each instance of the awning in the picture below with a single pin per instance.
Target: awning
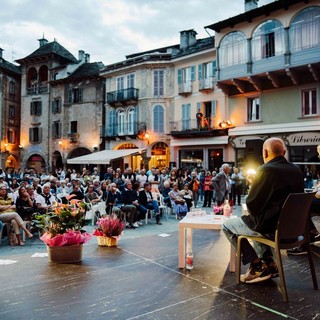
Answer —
(199, 141)
(276, 128)
(104, 157)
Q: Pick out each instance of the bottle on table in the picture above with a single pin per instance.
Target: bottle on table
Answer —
(226, 209)
(189, 261)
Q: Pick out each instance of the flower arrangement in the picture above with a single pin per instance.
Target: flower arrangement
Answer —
(109, 226)
(63, 225)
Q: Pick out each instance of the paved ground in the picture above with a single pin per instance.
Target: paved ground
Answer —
(140, 279)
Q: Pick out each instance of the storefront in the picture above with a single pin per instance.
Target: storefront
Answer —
(207, 153)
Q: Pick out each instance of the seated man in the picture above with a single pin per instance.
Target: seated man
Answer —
(130, 204)
(274, 181)
(146, 200)
(165, 192)
(45, 200)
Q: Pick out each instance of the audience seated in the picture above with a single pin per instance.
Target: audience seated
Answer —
(146, 200)
(8, 214)
(178, 204)
(25, 205)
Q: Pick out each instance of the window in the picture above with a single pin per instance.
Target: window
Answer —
(11, 136)
(35, 135)
(254, 109)
(12, 87)
(35, 108)
(74, 127)
(206, 70)
(120, 83)
(121, 119)
(56, 106)
(305, 29)
(130, 81)
(309, 102)
(12, 112)
(158, 119)
(233, 49)
(56, 130)
(186, 74)
(132, 121)
(267, 40)
(158, 82)
(186, 116)
(75, 95)
(112, 120)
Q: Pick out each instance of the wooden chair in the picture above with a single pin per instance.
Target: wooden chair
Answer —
(292, 231)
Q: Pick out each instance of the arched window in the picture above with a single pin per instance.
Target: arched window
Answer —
(32, 79)
(268, 40)
(305, 29)
(233, 49)
(132, 121)
(121, 122)
(158, 119)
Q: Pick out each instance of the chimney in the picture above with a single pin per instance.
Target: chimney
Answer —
(87, 57)
(1, 51)
(81, 55)
(250, 5)
(187, 38)
(42, 42)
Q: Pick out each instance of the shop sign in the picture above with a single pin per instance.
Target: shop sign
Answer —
(240, 142)
(304, 139)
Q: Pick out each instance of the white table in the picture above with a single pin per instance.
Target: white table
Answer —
(211, 222)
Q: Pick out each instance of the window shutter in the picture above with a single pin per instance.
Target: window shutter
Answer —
(179, 76)
(60, 130)
(53, 108)
(39, 111)
(156, 119)
(70, 95)
(39, 134)
(214, 67)
(199, 71)
(214, 108)
(80, 94)
(193, 73)
(161, 82)
(30, 134)
(31, 108)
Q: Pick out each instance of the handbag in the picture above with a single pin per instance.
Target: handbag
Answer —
(179, 200)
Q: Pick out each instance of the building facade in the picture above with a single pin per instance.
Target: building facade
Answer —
(268, 67)
(62, 99)
(10, 105)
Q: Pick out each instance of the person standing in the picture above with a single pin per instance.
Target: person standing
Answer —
(221, 184)
(274, 181)
(236, 186)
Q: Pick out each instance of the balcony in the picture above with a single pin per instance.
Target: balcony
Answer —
(123, 97)
(185, 88)
(122, 131)
(206, 84)
(37, 90)
(73, 137)
(191, 128)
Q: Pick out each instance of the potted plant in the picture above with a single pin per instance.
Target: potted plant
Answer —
(109, 230)
(62, 230)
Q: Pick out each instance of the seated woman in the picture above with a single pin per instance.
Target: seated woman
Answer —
(178, 204)
(8, 214)
(25, 205)
(186, 193)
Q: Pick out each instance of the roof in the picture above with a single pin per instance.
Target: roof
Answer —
(50, 48)
(87, 70)
(163, 54)
(9, 66)
(250, 15)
